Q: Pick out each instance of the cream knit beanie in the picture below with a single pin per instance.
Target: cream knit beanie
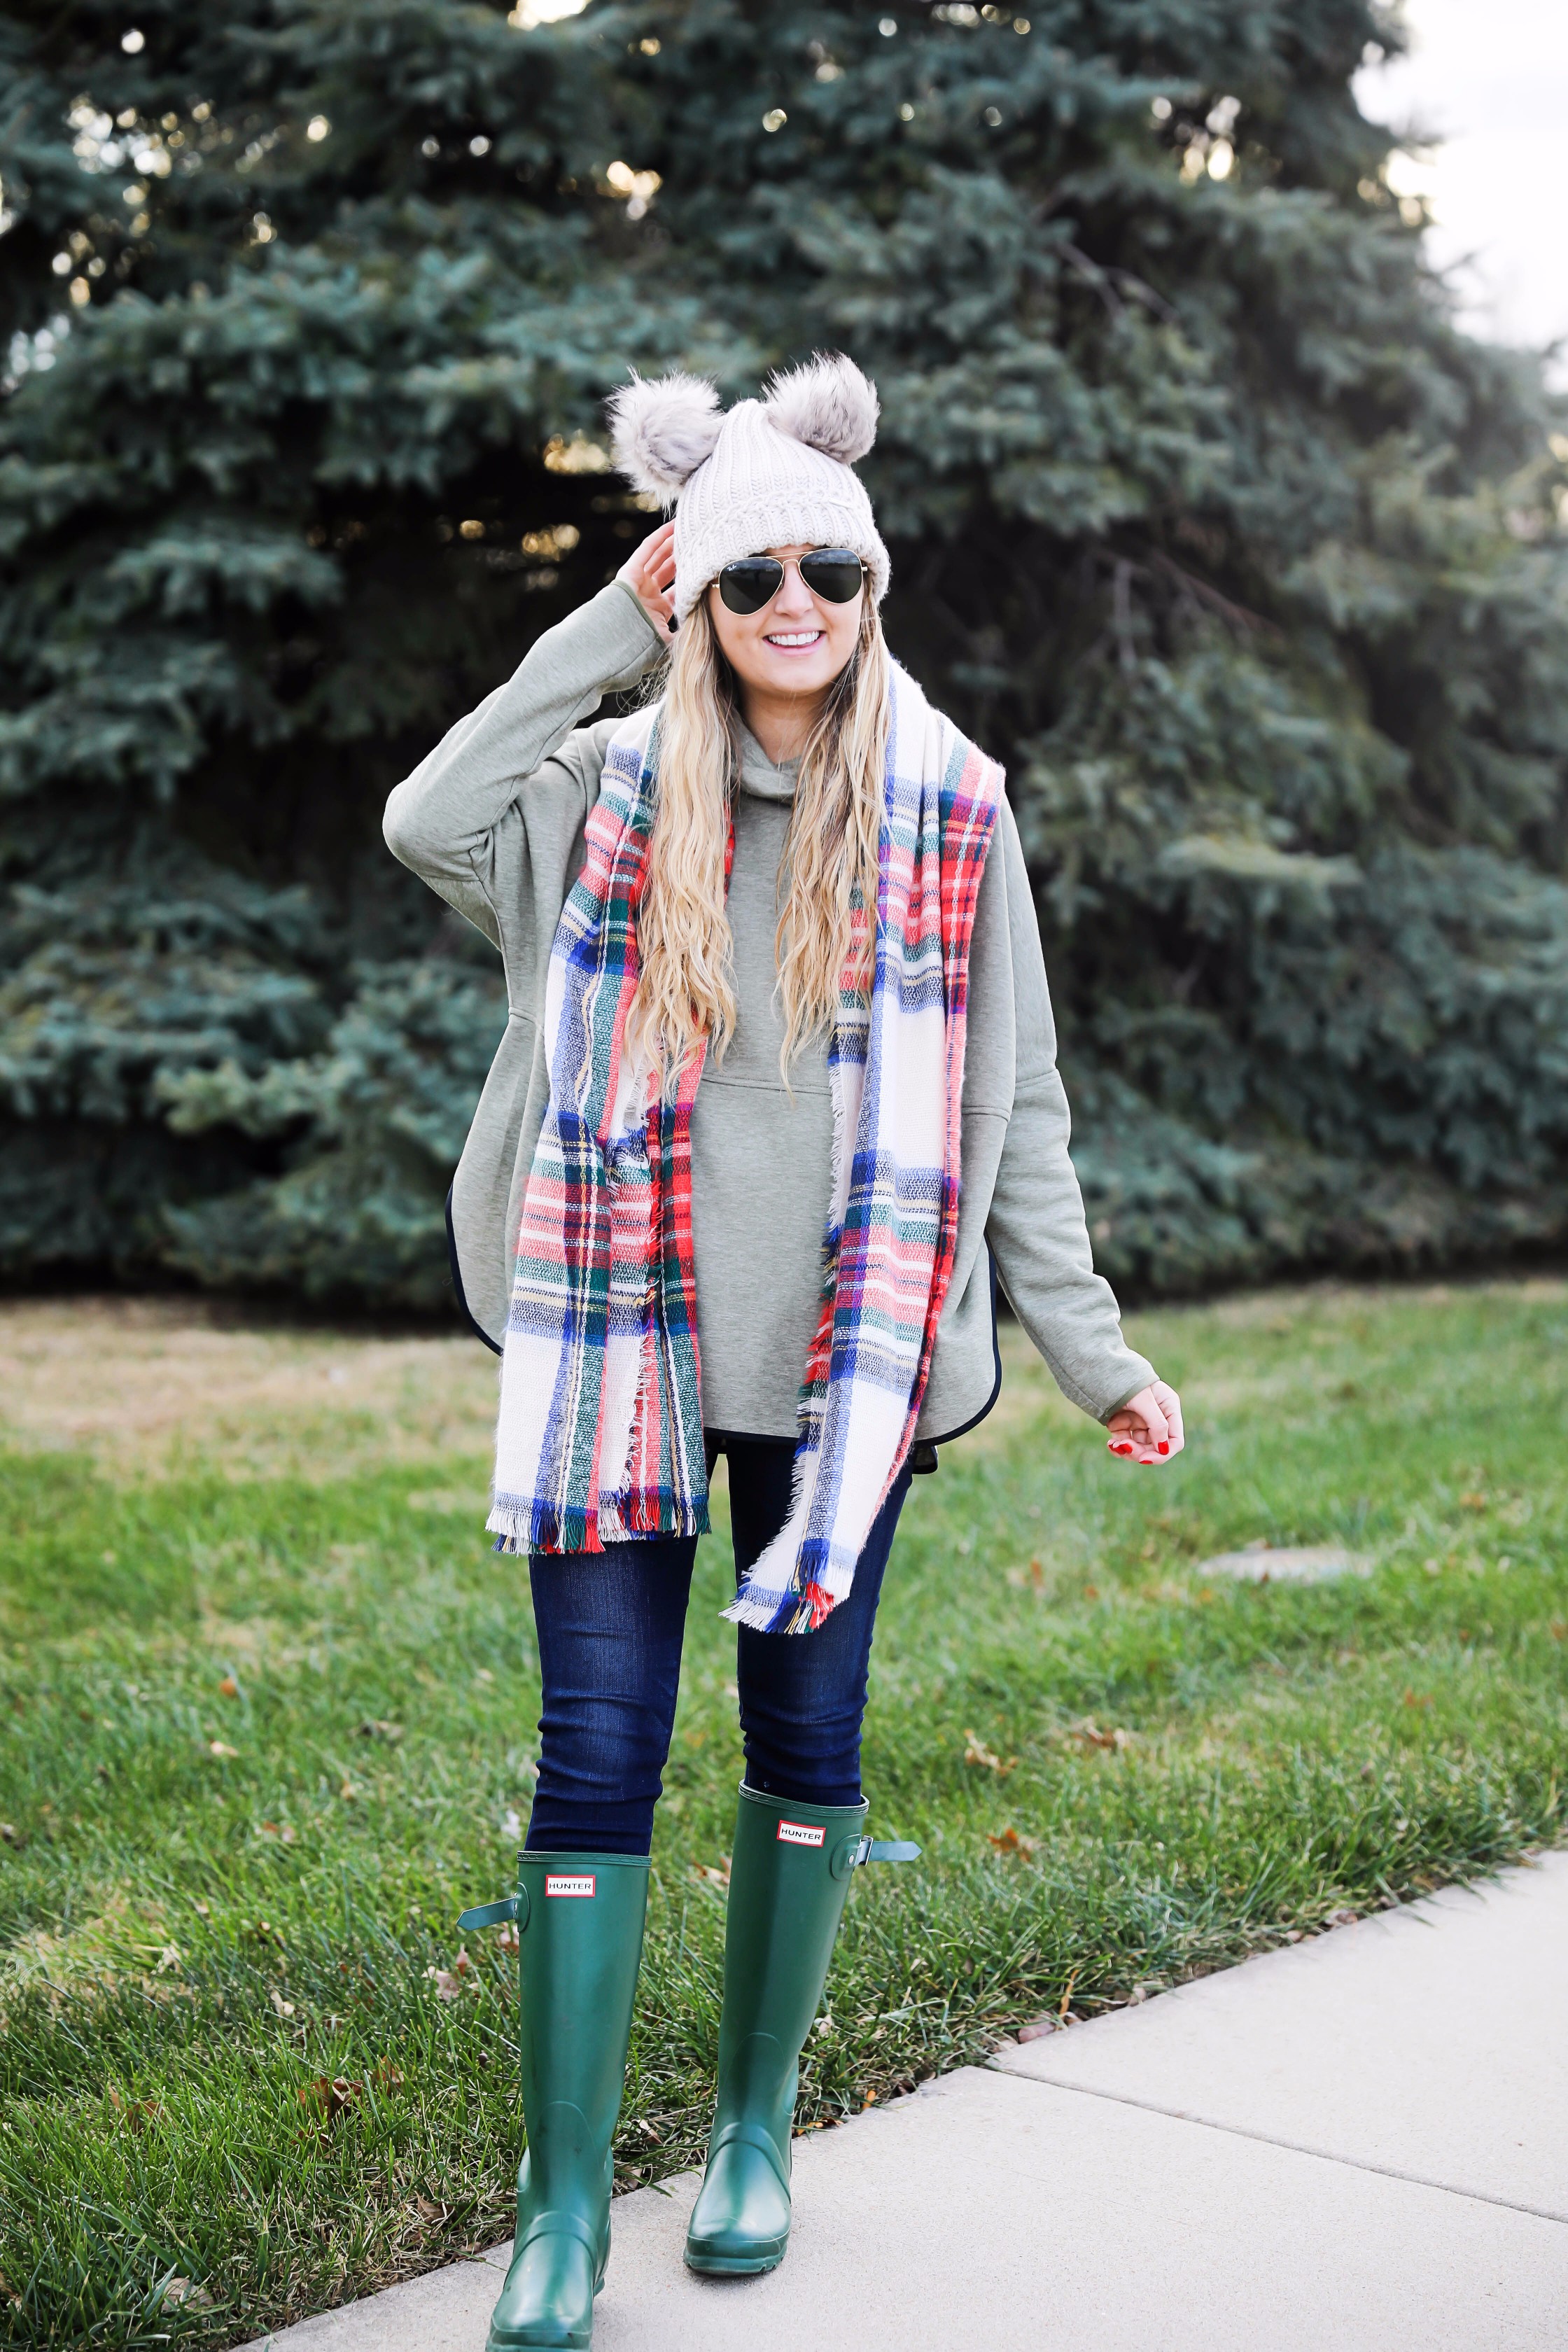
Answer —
(775, 472)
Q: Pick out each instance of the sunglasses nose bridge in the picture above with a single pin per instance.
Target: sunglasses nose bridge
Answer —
(794, 591)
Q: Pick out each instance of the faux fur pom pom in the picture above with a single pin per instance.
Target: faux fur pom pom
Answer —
(661, 431)
(828, 404)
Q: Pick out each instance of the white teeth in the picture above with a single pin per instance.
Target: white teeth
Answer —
(801, 638)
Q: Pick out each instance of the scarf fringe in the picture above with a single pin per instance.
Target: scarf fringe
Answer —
(539, 1527)
(780, 1613)
(761, 1602)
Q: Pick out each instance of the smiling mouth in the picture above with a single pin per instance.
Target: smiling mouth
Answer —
(794, 640)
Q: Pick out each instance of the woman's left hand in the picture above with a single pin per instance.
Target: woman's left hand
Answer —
(1148, 1427)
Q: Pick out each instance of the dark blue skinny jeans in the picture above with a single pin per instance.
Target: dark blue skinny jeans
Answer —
(610, 1626)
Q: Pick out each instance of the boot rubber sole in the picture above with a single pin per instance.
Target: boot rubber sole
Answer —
(732, 2265)
(570, 2340)
(575, 2339)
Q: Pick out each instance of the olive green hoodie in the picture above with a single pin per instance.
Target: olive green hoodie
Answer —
(493, 820)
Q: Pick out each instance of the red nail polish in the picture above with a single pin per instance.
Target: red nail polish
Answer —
(1164, 1447)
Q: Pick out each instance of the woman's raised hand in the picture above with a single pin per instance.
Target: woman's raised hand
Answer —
(649, 572)
(1148, 1427)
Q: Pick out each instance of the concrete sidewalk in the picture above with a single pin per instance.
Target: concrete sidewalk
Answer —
(1357, 2145)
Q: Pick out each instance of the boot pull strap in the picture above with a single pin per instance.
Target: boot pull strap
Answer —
(853, 1851)
(495, 1914)
(887, 1850)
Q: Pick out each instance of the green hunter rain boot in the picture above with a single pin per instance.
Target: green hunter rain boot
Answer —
(580, 1925)
(788, 1880)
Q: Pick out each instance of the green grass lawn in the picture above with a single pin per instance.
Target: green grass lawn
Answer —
(267, 1722)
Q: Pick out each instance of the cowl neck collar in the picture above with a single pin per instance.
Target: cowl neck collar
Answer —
(758, 774)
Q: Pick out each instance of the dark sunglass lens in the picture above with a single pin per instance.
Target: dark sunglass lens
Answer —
(748, 585)
(833, 573)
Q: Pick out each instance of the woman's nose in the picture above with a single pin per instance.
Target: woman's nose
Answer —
(794, 601)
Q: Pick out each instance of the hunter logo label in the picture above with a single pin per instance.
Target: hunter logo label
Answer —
(569, 1882)
(801, 1833)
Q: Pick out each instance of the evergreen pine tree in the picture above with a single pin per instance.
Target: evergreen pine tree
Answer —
(1203, 515)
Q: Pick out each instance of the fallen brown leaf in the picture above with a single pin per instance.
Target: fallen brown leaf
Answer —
(976, 1752)
(228, 1688)
(1417, 1698)
(329, 2095)
(460, 1978)
(284, 2008)
(375, 1726)
(136, 2114)
(1007, 1840)
(1090, 1734)
(278, 1829)
(184, 2294)
(387, 2076)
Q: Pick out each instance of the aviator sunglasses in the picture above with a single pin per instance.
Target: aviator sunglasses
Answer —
(834, 574)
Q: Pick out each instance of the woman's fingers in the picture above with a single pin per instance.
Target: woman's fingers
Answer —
(1146, 1405)
(649, 572)
(1128, 1436)
(1148, 1428)
(657, 547)
(1131, 1449)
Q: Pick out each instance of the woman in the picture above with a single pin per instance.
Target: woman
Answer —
(775, 981)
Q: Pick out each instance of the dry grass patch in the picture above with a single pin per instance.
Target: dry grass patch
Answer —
(150, 1385)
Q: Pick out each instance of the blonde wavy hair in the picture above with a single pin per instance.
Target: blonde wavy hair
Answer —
(827, 878)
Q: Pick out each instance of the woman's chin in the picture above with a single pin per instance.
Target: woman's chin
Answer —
(811, 673)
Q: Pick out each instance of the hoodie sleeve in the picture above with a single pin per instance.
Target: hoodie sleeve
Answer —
(440, 820)
(1036, 1230)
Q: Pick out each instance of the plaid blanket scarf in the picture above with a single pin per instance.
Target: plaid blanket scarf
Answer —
(600, 1433)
